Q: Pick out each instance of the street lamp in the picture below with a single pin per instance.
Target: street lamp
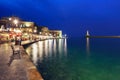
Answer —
(10, 19)
(15, 21)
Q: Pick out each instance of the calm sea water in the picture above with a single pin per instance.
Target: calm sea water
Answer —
(77, 59)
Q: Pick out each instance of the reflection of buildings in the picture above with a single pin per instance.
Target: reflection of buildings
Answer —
(55, 48)
(35, 53)
(48, 49)
(40, 49)
(50, 46)
(60, 46)
(65, 47)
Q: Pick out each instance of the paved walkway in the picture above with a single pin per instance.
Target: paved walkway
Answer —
(13, 67)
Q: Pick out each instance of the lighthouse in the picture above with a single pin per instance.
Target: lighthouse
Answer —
(87, 34)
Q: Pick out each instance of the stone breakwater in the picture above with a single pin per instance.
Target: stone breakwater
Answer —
(32, 72)
(16, 67)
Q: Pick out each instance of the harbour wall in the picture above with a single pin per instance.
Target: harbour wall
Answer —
(102, 36)
(32, 72)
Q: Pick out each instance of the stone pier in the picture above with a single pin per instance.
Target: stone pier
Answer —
(13, 67)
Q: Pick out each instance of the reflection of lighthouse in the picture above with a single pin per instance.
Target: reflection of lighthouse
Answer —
(87, 45)
(87, 34)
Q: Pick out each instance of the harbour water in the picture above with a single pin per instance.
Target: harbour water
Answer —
(77, 59)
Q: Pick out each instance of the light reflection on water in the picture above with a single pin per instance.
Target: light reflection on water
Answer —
(54, 47)
(60, 46)
(94, 59)
(47, 49)
(50, 46)
(88, 46)
(65, 47)
(40, 50)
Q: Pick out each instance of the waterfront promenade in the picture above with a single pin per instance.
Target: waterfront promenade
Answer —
(13, 67)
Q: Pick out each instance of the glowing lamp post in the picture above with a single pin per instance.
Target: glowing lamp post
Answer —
(10, 19)
(15, 21)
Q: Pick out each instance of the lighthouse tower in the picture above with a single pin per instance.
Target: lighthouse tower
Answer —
(87, 34)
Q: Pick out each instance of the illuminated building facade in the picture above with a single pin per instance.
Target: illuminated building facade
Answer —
(14, 26)
(14, 23)
(54, 33)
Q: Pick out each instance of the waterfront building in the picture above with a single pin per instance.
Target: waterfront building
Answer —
(15, 23)
(54, 33)
(14, 26)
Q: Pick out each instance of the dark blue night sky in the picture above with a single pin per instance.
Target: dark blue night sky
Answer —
(74, 17)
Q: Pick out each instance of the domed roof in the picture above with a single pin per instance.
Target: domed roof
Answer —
(44, 29)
